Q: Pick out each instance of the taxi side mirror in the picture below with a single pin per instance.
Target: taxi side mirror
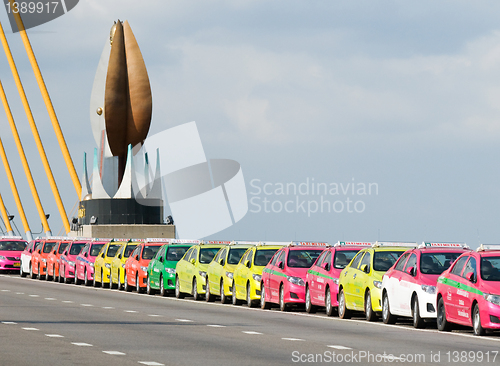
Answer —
(161, 259)
(281, 265)
(221, 261)
(365, 268)
(411, 271)
(86, 254)
(193, 261)
(136, 257)
(470, 276)
(65, 252)
(247, 263)
(325, 266)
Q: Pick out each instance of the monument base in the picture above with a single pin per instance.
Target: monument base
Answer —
(118, 211)
(125, 231)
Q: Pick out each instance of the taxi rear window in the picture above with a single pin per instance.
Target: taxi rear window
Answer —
(302, 258)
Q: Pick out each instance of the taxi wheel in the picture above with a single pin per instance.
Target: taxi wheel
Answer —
(120, 285)
(442, 323)
(387, 317)
(418, 322)
(47, 277)
(178, 293)
(263, 303)
(344, 312)
(194, 291)
(77, 280)
(476, 322)
(369, 313)
(250, 302)
(40, 277)
(310, 308)
(86, 281)
(223, 297)
(126, 286)
(149, 290)
(329, 309)
(138, 288)
(94, 281)
(234, 299)
(283, 305)
(208, 296)
(32, 275)
(162, 287)
(21, 272)
(60, 278)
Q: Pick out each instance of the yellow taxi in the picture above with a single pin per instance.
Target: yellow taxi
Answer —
(220, 270)
(360, 282)
(248, 273)
(191, 270)
(118, 279)
(102, 264)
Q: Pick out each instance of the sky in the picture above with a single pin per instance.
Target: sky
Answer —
(398, 96)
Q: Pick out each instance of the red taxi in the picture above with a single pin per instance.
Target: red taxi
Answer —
(322, 279)
(468, 293)
(136, 266)
(54, 260)
(283, 279)
(40, 255)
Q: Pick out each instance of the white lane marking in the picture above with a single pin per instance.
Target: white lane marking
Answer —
(216, 326)
(108, 307)
(19, 293)
(116, 353)
(50, 298)
(130, 311)
(68, 302)
(293, 339)
(154, 315)
(151, 363)
(5, 290)
(54, 335)
(30, 328)
(9, 323)
(34, 295)
(339, 347)
(86, 305)
(184, 320)
(81, 344)
(250, 332)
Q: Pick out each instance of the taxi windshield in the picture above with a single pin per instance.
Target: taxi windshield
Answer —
(263, 256)
(490, 268)
(383, 260)
(76, 248)
(343, 258)
(176, 253)
(302, 258)
(113, 248)
(207, 254)
(96, 248)
(235, 255)
(436, 263)
(129, 249)
(150, 251)
(12, 245)
(48, 247)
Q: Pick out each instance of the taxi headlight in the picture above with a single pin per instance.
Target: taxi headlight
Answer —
(2, 257)
(170, 270)
(494, 299)
(429, 289)
(335, 281)
(257, 277)
(71, 264)
(377, 284)
(203, 274)
(123, 265)
(144, 269)
(44, 260)
(229, 275)
(296, 280)
(107, 265)
(92, 265)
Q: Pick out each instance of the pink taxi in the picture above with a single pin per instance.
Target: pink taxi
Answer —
(283, 279)
(68, 259)
(322, 279)
(10, 252)
(84, 262)
(468, 293)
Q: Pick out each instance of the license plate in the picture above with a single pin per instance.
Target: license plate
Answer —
(17, 264)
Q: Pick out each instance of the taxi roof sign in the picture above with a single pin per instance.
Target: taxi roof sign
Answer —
(429, 245)
(353, 243)
(307, 243)
(236, 242)
(394, 244)
(184, 241)
(487, 247)
(11, 238)
(102, 239)
(276, 243)
(215, 242)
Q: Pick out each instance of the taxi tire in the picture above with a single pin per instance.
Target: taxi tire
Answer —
(40, 277)
(120, 285)
(32, 274)
(126, 286)
(49, 278)
(94, 282)
(60, 278)
(138, 288)
(178, 293)
(418, 322)
(476, 322)
(86, 281)
(104, 284)
(344, 312)
(250, 302)
(77, 280)
(194, 290)
(369, 313)
(209, 297)
(149, 290)
(283, 305)
(263, 303)
(234, 299)
(387, 317)
(310, 308)
(163, 292)
(442, 324)
(223, 297)
(21, 272)
(329, 309)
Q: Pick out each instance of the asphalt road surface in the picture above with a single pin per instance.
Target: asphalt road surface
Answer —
(46, 323)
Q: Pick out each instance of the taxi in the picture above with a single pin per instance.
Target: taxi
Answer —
(118, 278)
(248, 273)
(102, 264)
(136, 266)
(161, 269)
(468, 293)
(11, 248)
(54, 259)
(191, 270)
(360, 281)
(409, 287)
(220, 271)
(283, 279)
(67, 266)
(322, 279)
(40, 255)
(25, 266)
(84, 262)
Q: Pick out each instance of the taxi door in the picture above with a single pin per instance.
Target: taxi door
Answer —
(216, 271)
(453, 291)
(317, 282)
(349, 275)
(392, 280)
(464, 292)
(360, 281)
(156, 266)
(81, 258)
(241, 274)
(182, 269)
(273, 279)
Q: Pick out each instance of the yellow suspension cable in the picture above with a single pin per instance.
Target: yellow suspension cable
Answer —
(5, 217)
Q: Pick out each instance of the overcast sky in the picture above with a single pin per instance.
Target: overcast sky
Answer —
(403, 95)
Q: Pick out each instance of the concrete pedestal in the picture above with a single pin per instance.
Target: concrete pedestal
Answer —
(125, 231)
